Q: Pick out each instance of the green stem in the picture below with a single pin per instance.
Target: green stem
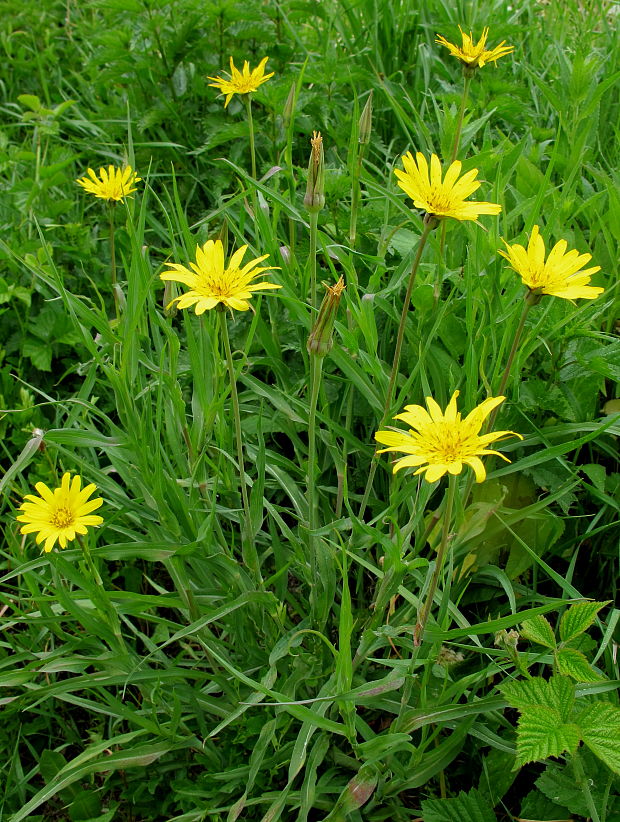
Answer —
(248, 549)
(454, 151)
(582, 782)
(113, 259)
(248, 105)
(316, 366)
(459, 123)
(527, 304)
(429, 225)
(423, 615)
(355, 194)
(109, 612)
(314, 221)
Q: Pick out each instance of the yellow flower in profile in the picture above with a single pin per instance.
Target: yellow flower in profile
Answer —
(212, 284)
(113, 184)
(60, 514)
(441, 442)
(442, 198)
(241, 82)
(559, 276)
(474, 55)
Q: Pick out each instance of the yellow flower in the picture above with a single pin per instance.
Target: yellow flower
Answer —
(475, 56)
(241, 82)
(60, 514)
(441, 442)
(560, 276)
(212, 284)
(442, 198)
(112, 184)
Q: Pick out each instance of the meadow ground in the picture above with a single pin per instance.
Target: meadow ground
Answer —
(310, 412)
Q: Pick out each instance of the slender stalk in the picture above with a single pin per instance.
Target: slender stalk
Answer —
(429, 224)
(314, 221)
(423, 615)
(316, 367)
(454, 151)
(459, 123)
(528, 302)
(109, 613)
(582, 782)
(355, 194)
(248, 105)
(248, 549)
(113, 258)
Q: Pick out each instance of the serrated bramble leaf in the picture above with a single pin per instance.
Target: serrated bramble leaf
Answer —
(574, 664)
(466, 807)
(539, 630)
(600, 729)
(556, 693)
(578, 619)
(542, 733)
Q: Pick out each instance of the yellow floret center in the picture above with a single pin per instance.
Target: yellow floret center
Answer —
(62, 518)
(447, 445)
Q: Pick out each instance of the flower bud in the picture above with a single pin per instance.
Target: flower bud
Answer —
(365, 125)
(289, 107)
(315, 188)
(320, 341)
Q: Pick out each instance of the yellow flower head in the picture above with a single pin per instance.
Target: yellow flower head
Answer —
(474, 55)
(212, 284)
(241, 82)
(60, 514)
(441, 442)
(442, 198)
(113, 184)
(559, 276)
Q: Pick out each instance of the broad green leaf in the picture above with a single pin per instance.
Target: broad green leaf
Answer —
(557, 693)
(573, 663)
(600, 729)
(466, 807)
(578, 619)
(539, 630)
(558, 784)
(541, 733)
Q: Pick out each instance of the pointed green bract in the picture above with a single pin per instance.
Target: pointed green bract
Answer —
(539, 630)
(578, 619)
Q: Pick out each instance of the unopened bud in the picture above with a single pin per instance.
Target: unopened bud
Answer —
(315, 188)
(289, 107)
(170, 308)
(320, 341)
(365, 126)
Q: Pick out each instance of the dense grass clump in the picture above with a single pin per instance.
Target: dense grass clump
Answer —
(219, 600)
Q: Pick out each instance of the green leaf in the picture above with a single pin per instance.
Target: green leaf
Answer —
(541, 733)
(600, 729)
(539, 630)
(578, 619)
(573, 663)
(466, 807)
(558, 784)
(557, 693)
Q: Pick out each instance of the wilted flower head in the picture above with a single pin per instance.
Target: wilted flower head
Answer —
(320, 341)
(114, 184)
(440, 442)
(212, 284)
(559, 276)
(442, 198)
(474, 55)
(315, 187)
(60, 514)
(241, 82)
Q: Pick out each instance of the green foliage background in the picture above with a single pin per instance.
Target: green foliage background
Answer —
(178, 689)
